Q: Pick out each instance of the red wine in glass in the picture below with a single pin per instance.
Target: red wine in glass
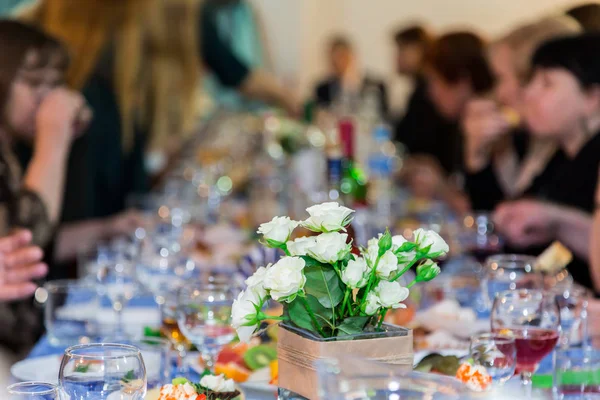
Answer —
(533, 344)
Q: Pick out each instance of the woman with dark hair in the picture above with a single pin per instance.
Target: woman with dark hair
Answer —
(562, 102)
(588, 16)
(35, 107)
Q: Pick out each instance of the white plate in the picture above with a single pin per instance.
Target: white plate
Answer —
(135, 318)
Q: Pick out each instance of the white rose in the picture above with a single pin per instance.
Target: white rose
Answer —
(405, 257)
(330, 247)
(372, 251)
(355, 273)
(391, 294)
(398, 241)
(327, 217)
(243, 312)
(278, 230)
(425, 238)
(372, 304)
(218, 383)
(285, 278)
(301, 246)
(388, 263)
(256, 282)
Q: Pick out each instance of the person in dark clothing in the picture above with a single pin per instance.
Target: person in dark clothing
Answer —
(562, 102)
(501, 158)
(422, 130)
(346, 79)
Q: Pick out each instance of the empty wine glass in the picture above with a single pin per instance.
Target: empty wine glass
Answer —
(116, 280)
(532, 317)
(496, 353)
(33, 391)
(103, 371)
(204, 317)
(509, 272)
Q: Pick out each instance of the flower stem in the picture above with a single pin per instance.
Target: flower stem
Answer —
(382, 317)
(312, 316)
(399, 274)
(371, 279)
(411, 284)
(282, 318)
(345, 303)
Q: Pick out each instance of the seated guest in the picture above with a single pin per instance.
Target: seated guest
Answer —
(36, 106)
(421, 129)
(593, 242)
(500, 159)
(588, 16)
(19, 266)
(346, 79)
(562, 102)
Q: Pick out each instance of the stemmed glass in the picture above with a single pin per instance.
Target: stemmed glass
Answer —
(116, 278)
(532, 317)
(509, 272)
(33, 391)
(479, 236)
(204, 317)
(573, 305)
(103, 371)
(495, 352)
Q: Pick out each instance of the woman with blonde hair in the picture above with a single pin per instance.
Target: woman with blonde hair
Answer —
(501, 160)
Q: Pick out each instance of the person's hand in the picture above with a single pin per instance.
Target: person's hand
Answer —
(62, 116)
(19, 265)
(483, 125)
(124, 223)
(423, 175)
(526, 223)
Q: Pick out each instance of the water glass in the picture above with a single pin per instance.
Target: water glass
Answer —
(509, 272)
(70, 312)
(156, 353)
(496, 353)
(33, 391)
(573, 304)
(204, 317)
(577, 374)
(103, 371)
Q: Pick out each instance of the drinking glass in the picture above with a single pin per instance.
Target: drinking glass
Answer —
(496, 353)
(156, 353)
(509, 272)
(170, 329)
(103, 371)
(479, 236)
(33, 391)
(532, 317)
(70, 312)
(204, 317)
(577, 374)
(573, 304)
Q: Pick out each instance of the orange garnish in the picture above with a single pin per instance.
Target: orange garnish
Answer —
(232, 371)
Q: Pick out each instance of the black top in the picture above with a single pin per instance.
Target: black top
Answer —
(424, 131)
(328, 91)
(483, 188)
(570, 182)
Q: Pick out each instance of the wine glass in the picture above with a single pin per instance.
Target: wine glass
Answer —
(532, 317)
(479, 236)
(116, 280)
(509, 272)
(170, 329)
(495, 352)
(33, 391)
(204, 317)
(103, 371)
(573, 304)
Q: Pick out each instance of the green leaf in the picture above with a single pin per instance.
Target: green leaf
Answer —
(300, 316)
(83, 368)
(352, 325)
(311, 262)
(324, 284)
(129, 376)
(406, 247)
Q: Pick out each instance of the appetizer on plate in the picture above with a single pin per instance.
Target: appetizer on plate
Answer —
(210, 387)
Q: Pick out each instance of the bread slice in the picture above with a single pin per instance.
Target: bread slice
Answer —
(553, 259)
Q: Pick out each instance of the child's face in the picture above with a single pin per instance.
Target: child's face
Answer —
(32, 84)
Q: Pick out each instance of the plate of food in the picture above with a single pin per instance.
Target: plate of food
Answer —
(210, 387)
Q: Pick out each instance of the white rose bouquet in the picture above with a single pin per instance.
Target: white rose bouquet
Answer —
(326, 289)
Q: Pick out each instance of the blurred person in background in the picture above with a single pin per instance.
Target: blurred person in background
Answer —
(587, 15)
(562, 102)
(346, 78)
(501, 159)
(421, 129)
(36, 107)
(137, 63)
(456, 71)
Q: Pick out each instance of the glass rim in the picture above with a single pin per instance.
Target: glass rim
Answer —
(73, 351)
(541, 293)
(68, 283)
(495, 336)
(138, 338)
(51, 388)
(510, 257)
